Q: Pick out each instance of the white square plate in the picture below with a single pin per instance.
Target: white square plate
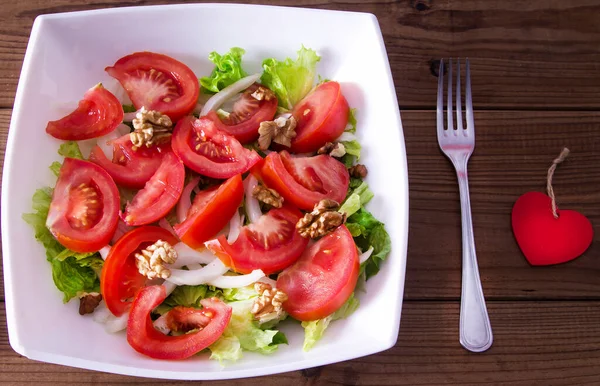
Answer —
(67, 54)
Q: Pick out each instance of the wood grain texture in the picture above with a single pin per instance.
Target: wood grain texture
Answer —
(536, 343)
(525, 55)
(512, 154)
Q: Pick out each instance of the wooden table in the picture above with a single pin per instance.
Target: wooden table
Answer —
(536, 86)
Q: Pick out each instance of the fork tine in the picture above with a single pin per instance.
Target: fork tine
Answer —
(469, 102)
(440, 100)
(459, 121)
(449, 107)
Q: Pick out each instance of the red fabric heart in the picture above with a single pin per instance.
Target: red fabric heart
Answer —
(546, 240)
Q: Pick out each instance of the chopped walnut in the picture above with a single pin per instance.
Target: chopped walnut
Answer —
(323, 219)
(88, 302)
(150, 127)
(280, 131)
(150, 262)
(358, 171)
(267, 195)
(263, 93)
(334, 149)
(268, 305)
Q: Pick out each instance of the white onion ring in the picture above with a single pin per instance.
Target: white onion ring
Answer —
(128, 117)
(123, 129)
(199, 276)
(105, 143)
(346, 137)
(185, 202)
(104, 251)
(365, 256)
(252, 205)
(235, 224)
(219, 98)
(161, 324)
(169, 287)
(187, 255)
(237, 281)
(111, 323)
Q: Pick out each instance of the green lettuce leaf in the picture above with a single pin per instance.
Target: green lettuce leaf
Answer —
(351, 205)
(245, 333)
(70, 149)
(72, 279)
(368, 231)
(291, 80)
(37, 220)
(353, 148)
(357, 198)
(313, 330)
(351, 126)
(228, 70)
(237, 294)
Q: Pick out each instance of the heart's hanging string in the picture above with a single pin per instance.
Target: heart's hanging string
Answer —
(561, 157)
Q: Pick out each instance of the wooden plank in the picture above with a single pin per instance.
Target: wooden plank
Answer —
(513, 152)
(536, 343)
(552, 62)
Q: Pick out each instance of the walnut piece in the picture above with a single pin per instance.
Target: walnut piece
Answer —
(268, 305)
(334, 149)
(267, 195)
(323, 219)
(358, 171)
(263, 93)
(88, 302)
(150, 262)
(149, 128)
(280, 131)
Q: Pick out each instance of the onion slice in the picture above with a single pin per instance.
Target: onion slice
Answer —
(235, 224)
(237, 281)
(252, 205)
(185, 202)
(228, 92)
(128, 117)
(163, 223)
(365, 256)
(161, 324)
(104, 251)
(198, 276)
(187, 256)
(111, 323)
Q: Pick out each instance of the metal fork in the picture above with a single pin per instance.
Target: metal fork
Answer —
(458, 144)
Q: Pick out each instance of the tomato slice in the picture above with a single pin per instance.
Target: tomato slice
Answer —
(120, 279)
(270, 244)
(84, 210)
(157, 82)
(130, 168)
(207, 150)
(247, 114)
(210, 212)
(160, 194)
(147, 340)
(98, 113)
(323, 278)
(304, 181)
(321, 117)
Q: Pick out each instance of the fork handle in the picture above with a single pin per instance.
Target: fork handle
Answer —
(475, 328)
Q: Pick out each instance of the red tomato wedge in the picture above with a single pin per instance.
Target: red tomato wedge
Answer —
(147, 340)
(84, 210)
(323, 278)
(270, 244)
(120, 279)
(321, 117)
(209, 151)
(98, 113)
(130, 168)
(210, 212)
(304, 181)
(247, 114)
(157, 82)
(160, 194)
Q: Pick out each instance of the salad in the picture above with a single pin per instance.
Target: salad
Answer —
(199, 214)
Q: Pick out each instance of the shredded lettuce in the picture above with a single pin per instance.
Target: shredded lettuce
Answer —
(313, 330)
(228, 70)
(351, 126)
(70, 149)
(357, 198)
(368, 231)
(353, 148)
(291, 80)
